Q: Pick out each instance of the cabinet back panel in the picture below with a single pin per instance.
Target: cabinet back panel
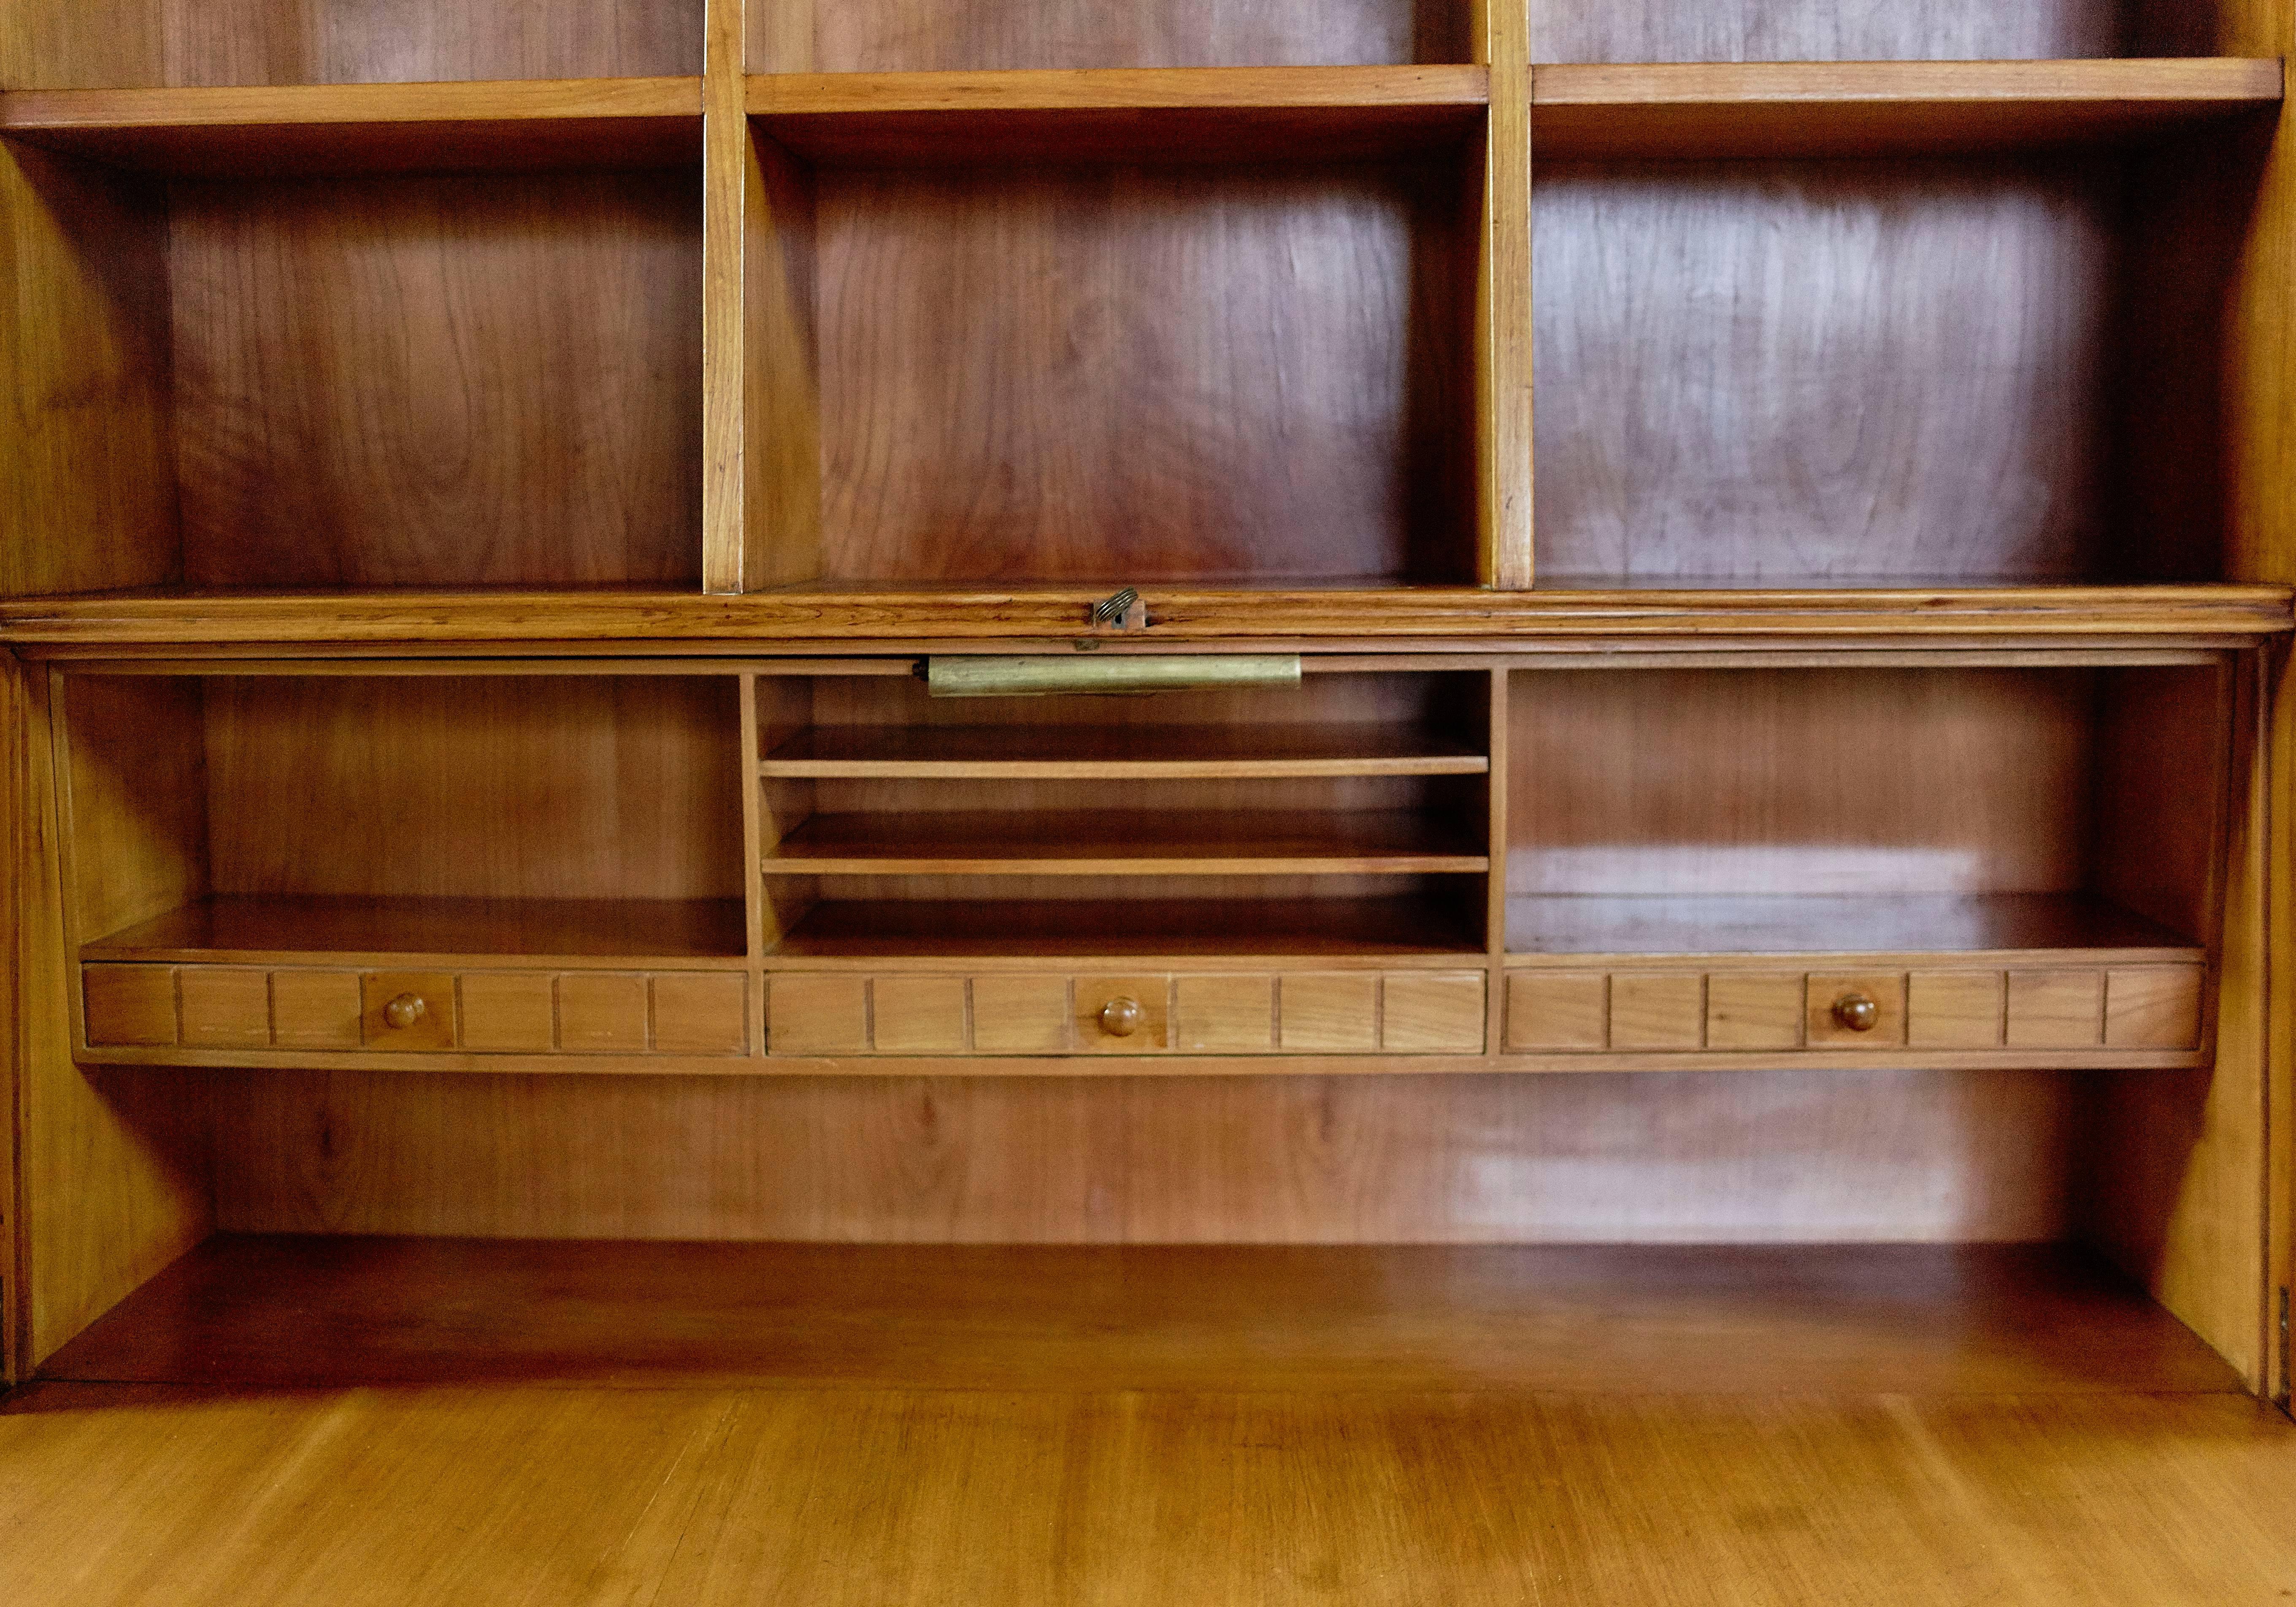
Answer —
(1823, 30)
(427, 41)
(1754, 1157)
(583, 788)
(1773, 370)
(1146, 375)
(1779, 781)
(439, 381)
(1451, 703)
(916, 36)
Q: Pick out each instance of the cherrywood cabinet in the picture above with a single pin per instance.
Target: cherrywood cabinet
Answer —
(486, 496)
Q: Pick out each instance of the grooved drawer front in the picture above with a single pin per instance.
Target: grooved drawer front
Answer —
(510, 1012)
(2152, 1007)
(1411, 1012)
(1658, 1010)
(1021, 1015)
(689, 1014)
(818, 1016)
(918, 1015)
(1941, 1009)
(226, 1007)
(700, 1013)
(1225, 1015)
(1432, 1012)
(1333, 1013)
(131, 1005)
(1954, 1010)
(1558, 1010)
(315, 1009)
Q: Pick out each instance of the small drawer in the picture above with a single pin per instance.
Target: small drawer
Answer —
(1023, 1014)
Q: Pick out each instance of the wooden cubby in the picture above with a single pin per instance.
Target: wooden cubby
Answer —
(482, 484)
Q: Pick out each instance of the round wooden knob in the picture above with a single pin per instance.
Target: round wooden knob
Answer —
(1120, 1018)
(1857, 1012)
(404, 1011)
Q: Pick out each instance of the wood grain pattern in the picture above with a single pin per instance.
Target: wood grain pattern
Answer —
(905, 36)
(1499, 203)
(261, 42)
(1677, 109)
(343, 130)
(1904, 370)
(1823, 30)
(1884, 1155)
(1165, 115)
(1766, 782)
(512, 788)
(114, 1177)
(852, 1497)
(896, 620)
(87, 460)
(1105, 841)
(1107, 332)
(438, 381)
(244, 927)
(138, 809)
(1363, 1321)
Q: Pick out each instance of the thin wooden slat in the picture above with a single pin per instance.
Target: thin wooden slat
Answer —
(1212, 114)
(367, 128)
(669, 620)
(1087, 753)
(1122, 842)
(1871, 108)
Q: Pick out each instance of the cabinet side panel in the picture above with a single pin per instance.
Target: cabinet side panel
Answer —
(1754, 1157)
(114, 1181)
(87, 481)
(74, 44)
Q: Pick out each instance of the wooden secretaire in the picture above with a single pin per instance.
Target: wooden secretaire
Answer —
(944, 621)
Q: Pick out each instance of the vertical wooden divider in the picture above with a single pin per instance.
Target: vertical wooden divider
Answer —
(761, 410)
(1503, 348)
(753, 892)
(1494, 933)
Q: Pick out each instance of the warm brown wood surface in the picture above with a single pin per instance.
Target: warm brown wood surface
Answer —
(300, 1313)
(352, 128)
(240, 927)
(878, 929)
(901, 620)
(1219, 115)
(442, 380)
(884, 35)
(1863, 923)
(1036, 374)
(1121, 752)
(1949, 30)
(1114, 841)
(857, 1499)
(1867, 108)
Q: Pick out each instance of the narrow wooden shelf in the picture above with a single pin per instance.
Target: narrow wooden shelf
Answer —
(283, 1313)
(1878, 108)
(353, 129)
(1216, 114)
(263, 930)
(1124, 753)
(1118, 842)
(1079, 930)
(917, 618)
(1700, 926)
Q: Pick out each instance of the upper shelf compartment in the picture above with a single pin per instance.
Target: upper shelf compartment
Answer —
(965, 35)
(1158, 114)
(208, 43)
(1856, 30)
(1694, 110)
(351, 128)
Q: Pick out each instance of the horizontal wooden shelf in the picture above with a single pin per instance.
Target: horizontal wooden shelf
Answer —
(921, 617)
(1119, 842)
(288, 1313)
(1216, 114)
(1581, 927)
(352, 128)
(1874, 108)
(1117, 753)
(233, 928)
(1080, 929)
